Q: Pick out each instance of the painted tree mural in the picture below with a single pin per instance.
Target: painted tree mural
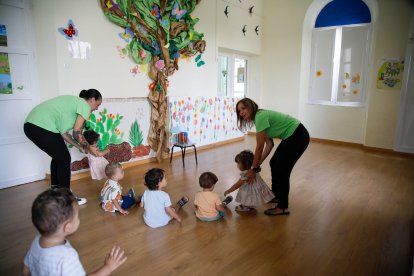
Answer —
(162, 32)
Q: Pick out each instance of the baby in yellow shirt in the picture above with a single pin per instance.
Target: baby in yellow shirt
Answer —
(208, 204)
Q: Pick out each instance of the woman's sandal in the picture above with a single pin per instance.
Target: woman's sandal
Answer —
(242, 208)
(183, 201)
(271, 212)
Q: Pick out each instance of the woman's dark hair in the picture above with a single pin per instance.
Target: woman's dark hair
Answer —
(91, 136)
(90, 93)
(207, 180)
(253, 107)
(245, 158)
(153, 177)
(52, 208)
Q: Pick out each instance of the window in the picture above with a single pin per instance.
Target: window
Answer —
(232, 75)
(340, 53)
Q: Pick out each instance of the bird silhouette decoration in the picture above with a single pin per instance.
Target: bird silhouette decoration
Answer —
(244, 30)
(257, 29)
(226, 11)
(251, 10)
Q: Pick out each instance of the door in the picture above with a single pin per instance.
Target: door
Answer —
(20, 160)
(405, 125)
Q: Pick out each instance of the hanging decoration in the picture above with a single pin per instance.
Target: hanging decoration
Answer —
(226, 11)
(70, 32)
(251, 10)
(162, 32)
(257, 30)
(390, 74)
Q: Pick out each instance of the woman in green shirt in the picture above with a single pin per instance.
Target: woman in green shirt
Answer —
(48, 124)
(269, 125)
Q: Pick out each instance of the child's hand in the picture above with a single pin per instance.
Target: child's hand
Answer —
(115, 258)
(124, 212)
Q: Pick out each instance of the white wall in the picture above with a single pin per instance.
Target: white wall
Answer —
(59, 73)
(286, 62)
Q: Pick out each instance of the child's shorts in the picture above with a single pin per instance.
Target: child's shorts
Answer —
(219, 216)
(127, 202)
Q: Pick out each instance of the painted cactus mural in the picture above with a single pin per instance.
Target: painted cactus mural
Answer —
(107, 127)
(161, 32)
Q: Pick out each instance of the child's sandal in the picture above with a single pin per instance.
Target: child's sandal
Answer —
(183, 201)
(242, 208)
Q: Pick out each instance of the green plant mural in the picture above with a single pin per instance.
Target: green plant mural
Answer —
(107, 127)
(135, 134)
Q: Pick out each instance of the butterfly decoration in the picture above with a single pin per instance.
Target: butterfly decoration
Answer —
(111, 5)
(143, 54)
(199, 61)
(127, 36)
(160, 64)
(70, 32)
(177, 12)
(156, 13)
(257, 29)
(135, 70)
(244, 30)
(123, 52)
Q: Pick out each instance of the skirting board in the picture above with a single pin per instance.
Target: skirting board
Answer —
(356, 145)
(82, 175)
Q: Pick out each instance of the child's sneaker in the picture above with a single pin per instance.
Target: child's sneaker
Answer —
(227, 200)
(81, 200)
(131, 193)
(183, 201)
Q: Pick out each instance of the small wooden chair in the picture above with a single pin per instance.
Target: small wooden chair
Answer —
(181, 141)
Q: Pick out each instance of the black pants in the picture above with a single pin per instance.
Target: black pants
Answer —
(54, 145)
(284, 159)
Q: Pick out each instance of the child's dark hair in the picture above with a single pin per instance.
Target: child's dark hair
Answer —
(245, 158)
(52, 208)
(153, 177)
(111, 168)
(207, 180)
(91, 136)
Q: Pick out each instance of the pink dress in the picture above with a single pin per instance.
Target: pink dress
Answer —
(97, 166)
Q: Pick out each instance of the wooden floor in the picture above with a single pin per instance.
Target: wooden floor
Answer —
(352, 213)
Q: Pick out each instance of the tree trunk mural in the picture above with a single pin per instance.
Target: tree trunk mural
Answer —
(163, 32)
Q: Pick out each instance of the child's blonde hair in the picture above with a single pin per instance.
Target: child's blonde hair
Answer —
(111, 168)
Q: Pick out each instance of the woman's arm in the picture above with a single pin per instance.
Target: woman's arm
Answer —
(70, 140)
(268, 148)
(258, 153)
(234, 187)
(77, 131)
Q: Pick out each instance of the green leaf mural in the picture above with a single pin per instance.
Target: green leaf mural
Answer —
(135, 134)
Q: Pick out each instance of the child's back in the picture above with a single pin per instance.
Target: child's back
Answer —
(206, 202)
(56, 260)
(155, 203)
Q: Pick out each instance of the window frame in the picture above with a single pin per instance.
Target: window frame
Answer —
(337, 58)
(231, 57)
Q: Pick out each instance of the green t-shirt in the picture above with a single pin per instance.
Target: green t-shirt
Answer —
(276, 124)
(59, 114)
